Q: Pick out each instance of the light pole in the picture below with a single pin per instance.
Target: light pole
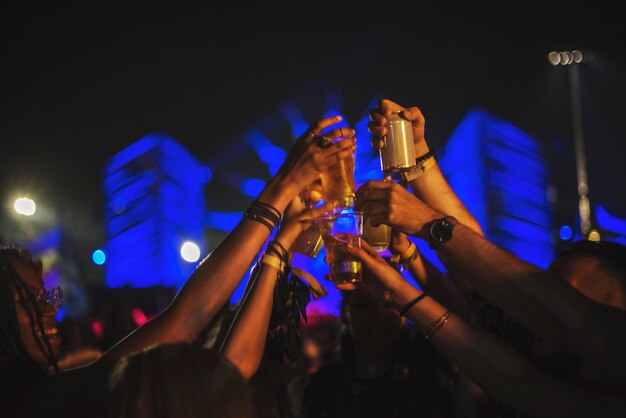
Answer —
(571, 59)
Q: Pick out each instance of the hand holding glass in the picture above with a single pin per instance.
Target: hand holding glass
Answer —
(337, 230)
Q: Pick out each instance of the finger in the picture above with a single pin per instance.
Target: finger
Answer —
(386, 107)
(376, 118)
(338, 133)
(317, 212)
(311, 196)
(397, 235)
(413, 114)
(340, 156)
(320, 125)
(371, 185)
(344, 147)
(366, 258)
(377, 130)
(371, 252)
(370, 209)
(378, 142)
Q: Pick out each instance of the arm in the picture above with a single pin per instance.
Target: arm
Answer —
(246, 342)
(487, 360)
(431, 186)
(543, 303)
(218, 275)
(430, 278)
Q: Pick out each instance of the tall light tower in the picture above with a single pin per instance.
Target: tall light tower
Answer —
(571, 59)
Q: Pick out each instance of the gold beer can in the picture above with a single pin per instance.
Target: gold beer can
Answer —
(398, 152)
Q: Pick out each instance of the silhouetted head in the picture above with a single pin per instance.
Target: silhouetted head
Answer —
(373, 324)
(178, 380)
(595, 269)
(29, 341)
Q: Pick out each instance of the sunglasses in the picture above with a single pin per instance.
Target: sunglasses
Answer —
(53, 296)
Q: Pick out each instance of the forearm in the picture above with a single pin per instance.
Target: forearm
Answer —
(245, 344)
(500, 370)
(214, 281)
(210, 285)
(544, 304)
(438, 285)
(433, 188)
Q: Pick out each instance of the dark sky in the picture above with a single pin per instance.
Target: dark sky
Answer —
(81, 82)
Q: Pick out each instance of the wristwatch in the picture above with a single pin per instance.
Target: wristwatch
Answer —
(441, 231)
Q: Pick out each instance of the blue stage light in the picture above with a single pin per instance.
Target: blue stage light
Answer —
(99, 257)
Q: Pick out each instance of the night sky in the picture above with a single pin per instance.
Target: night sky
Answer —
(81, 82)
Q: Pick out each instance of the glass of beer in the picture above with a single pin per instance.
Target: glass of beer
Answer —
(337, 229)
(378, 237)
(338, 183)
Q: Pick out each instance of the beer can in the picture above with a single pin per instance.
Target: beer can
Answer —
(398, 153)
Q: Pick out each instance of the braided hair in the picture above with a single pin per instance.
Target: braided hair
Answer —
(16, 364)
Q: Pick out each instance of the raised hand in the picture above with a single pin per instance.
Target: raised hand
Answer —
(312, 154)
(380, 279)
(378, 121)
(385, 202)
(297, 219)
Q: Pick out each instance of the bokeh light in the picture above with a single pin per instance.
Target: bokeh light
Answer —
(25, 206)
(190, 252)
(99, 257)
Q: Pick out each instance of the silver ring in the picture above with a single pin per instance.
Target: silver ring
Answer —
(324, 141)
(310, 133)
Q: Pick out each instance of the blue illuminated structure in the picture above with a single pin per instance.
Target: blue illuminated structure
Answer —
(155, 202)
(499, 173)
(154, 189)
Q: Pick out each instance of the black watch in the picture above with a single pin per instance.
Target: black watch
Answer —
(441, 231)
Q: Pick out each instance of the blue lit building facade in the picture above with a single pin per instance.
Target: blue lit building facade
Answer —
(155, 203)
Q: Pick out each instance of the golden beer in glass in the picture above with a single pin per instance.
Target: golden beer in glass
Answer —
(337, 230)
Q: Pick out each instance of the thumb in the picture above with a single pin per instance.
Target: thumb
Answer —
(365, 253)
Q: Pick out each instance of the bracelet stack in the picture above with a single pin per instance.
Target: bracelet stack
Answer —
(436, 326)
(263, 213)
(279, 255)
(422, 164)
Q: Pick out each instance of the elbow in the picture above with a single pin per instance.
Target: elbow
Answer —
(247, 369)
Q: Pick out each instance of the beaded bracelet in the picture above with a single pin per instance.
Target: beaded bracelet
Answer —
(424, 157)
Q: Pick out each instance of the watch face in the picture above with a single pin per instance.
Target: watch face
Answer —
(441, 231)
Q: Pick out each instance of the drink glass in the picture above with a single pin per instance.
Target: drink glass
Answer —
(309, 242)
(378, 237)
(337, 229)
(338, 183)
